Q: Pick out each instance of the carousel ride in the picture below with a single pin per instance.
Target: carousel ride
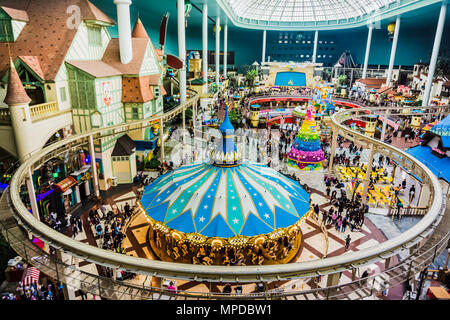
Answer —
(225, 211)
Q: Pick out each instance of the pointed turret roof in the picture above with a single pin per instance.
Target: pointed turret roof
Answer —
(15, 94)
(226, 153)
(226, 127)
(139, 30)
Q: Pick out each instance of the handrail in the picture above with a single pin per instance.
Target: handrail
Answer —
(219, 273)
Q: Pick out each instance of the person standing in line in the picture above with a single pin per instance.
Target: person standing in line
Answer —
(339, 224)
(347, 242)
(344, 224)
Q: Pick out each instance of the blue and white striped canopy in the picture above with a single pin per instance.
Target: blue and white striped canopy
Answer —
(249, 200)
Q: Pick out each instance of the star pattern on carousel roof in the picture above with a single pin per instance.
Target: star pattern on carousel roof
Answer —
(249, 199)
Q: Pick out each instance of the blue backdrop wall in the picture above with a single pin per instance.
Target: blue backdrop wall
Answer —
(415, 41)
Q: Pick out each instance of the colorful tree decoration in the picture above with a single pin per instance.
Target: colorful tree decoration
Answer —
(306, 152)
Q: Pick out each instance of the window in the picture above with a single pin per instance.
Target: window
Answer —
(6, 33)
(135, 113)
(157, 92)
(94, 36)
(62, 94)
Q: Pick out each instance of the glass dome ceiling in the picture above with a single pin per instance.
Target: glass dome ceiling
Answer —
(303, 15)
(303, 10)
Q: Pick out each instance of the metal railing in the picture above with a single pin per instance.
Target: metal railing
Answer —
(239, 274)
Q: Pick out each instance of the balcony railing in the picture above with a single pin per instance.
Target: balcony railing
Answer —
(43, 111)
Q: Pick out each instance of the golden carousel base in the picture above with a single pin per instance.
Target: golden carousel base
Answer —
(278, 247)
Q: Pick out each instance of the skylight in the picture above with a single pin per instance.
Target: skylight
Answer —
(301, 10)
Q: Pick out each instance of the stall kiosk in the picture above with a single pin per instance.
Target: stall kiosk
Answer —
(370, 125)
(254, 115)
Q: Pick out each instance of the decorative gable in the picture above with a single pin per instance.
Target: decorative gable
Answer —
(12, 22)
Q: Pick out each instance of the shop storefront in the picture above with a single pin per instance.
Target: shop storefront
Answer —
(64, 188)
(75, 188)
(83, 188)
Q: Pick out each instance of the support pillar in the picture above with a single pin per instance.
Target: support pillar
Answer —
(383, 130)
(184, 127)
(393, 51)
(387, 263)
(366, 59)
(205, 43)
(354, 273)
(217, 50)
(434, 55)
(446, 260)
(420, 195)
(161, 133)
(194, 114)
(225, 51)
(332, 280)
(264, 46)
(316, 38)
(69, 282)
(333, 151)
(94, 166)
(32, 195)
(368, 175)
(182, 47)
(77, 194)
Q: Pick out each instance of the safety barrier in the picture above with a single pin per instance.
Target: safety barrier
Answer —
(413, 239)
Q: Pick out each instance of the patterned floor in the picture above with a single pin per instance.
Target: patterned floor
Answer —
(314, 247)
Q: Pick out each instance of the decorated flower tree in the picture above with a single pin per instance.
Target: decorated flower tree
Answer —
(306, 152)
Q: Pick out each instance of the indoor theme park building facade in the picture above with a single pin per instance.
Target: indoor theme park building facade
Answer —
(75, 67)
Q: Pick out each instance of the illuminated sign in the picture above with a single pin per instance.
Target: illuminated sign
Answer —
(44, 195)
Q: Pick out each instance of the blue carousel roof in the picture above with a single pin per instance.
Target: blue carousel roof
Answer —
(249, 199)
(442, 128)
(226, 197)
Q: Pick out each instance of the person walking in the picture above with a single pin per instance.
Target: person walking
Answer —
(74, 229)
(347, 242)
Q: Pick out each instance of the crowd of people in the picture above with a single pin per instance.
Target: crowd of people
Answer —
(36, 291)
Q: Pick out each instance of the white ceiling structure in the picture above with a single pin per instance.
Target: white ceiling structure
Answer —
(315, 14)
(304, 10)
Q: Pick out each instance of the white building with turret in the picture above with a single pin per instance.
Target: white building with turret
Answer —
(76, 77)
